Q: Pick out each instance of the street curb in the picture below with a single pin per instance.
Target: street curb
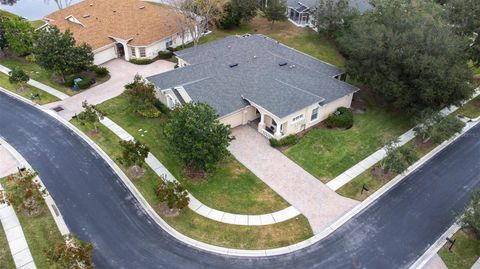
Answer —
(435, 247)
(56, 214)
(237, 252)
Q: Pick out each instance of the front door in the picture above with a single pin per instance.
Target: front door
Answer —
(120, 50)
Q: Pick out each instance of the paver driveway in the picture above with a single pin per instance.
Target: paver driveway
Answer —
(315, 200)
(121, 73)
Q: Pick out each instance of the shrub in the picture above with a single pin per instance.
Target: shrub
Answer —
(141, 61)
(172, 49)
(84, 83)
(165, 54)
(100, 71)
(229, 22)
(173, 193)
(286, 141)
(148, 111)
(17, 75)
(342, 118)
(30, 58)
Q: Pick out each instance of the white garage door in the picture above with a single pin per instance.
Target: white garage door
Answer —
(105, 56)
(233, 120)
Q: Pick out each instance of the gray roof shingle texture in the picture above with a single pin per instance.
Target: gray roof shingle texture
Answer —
(258, 78)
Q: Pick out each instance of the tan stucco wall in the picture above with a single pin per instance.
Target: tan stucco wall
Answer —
(241, 117)
(291, 127)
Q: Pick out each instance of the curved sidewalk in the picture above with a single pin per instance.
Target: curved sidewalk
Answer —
(197, 206)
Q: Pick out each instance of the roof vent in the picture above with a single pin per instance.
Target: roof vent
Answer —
(91, 5)
(142, 7)
(292, 66)
(233, 65)
(86, 16)
(254, 56)
(282, 64)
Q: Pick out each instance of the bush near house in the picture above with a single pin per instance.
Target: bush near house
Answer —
(286, 141)
(165, 54)
(141, 61)
(100, 71)
(85, 83)
(342, 118)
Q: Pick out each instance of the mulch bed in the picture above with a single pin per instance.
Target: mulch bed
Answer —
(36, 209)
(419, 143)
(196, 175)
(380, 174)
(167, 212)
(135, 172)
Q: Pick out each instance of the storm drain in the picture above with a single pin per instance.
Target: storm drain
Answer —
(58, 109)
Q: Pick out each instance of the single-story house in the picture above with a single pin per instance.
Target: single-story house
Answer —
(253, 79)
(129, 29)
(299, 11)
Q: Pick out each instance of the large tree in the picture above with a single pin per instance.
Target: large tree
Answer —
(276, 11)
(408, 55)
(464, 15)
(57, 52)
(197, 136)
(471, 214)
(245, 10)
(18, 34)
(329, 15)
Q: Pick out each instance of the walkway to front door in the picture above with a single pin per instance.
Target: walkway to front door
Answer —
(315, 200)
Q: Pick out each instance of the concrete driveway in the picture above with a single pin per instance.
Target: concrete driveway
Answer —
(315, 200)
(8, 164)
(121, 72)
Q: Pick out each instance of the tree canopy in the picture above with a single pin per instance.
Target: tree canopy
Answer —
(275, 11)
(471, 214)
(142, 96)
(173, 193)
(329, 15)
(244, 10)
(57, 52)
(437, 127)
(197, 136)
(18, 34)
(133, 153)
(405, 52)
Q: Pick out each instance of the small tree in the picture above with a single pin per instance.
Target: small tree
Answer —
(276, 11)
(471, 214)
(329, 15)
(57, 52)
(173, 193)
(436, 127)
(26, 193)
(243, 10)
(18, 76)
(398, 159)
(197, 136)
(134, 154)
(18, 34)
(142, 97)
(70, 252)
(91, 114)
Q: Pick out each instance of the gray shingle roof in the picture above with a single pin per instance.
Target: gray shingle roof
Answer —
(361, 5)
(259, 78)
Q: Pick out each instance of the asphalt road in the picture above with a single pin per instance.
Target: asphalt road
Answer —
(391, 233)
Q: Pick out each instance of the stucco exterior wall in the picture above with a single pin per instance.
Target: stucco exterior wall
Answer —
(241, 117)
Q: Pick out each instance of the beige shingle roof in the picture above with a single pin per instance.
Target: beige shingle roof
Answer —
(144, 23)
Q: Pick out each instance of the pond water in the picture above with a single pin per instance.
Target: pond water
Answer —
(34, 9)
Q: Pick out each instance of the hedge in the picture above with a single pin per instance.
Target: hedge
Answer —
(141, 61)
(286, 141)
(342, 118)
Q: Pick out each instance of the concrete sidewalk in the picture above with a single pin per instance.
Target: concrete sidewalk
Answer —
(121, 73)
(312, 198)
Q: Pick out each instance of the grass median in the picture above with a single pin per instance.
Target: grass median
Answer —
(6, 259)
(43, 98)
(464, 252)
(201, 228)
(40, 231)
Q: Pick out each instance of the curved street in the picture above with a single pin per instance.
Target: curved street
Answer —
(391, 233)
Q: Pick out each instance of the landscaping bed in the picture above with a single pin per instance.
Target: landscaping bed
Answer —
(44, 97)
(326, 153)
(231, 187)
(464, 252)
(374, 179)
(6, 259)
(203, 229)
(39, 231)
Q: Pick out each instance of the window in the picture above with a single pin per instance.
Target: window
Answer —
(134, 51)
(143, 52)
(314, 114)
(297, 118)
(168, 42)
(170, 102)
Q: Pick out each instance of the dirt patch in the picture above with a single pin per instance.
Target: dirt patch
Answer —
(165, 211)
(380, 174)
(419, 143)
(34, 208)
(358, 105)
(194, 174)
(135, 172)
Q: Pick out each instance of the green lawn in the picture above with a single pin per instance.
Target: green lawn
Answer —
(39, 231)
(6, 260)
(471, 109)
(230, 188)
(303, 39)
(37, 73)
(203, 229)
(44, 97)
(326, 153)
(464, 253)
(353, 189)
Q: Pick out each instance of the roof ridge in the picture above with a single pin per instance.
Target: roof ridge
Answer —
(299, 89)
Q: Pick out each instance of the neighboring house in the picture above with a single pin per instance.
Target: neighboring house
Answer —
(255, 79)
(299, 11)
(121, 28)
